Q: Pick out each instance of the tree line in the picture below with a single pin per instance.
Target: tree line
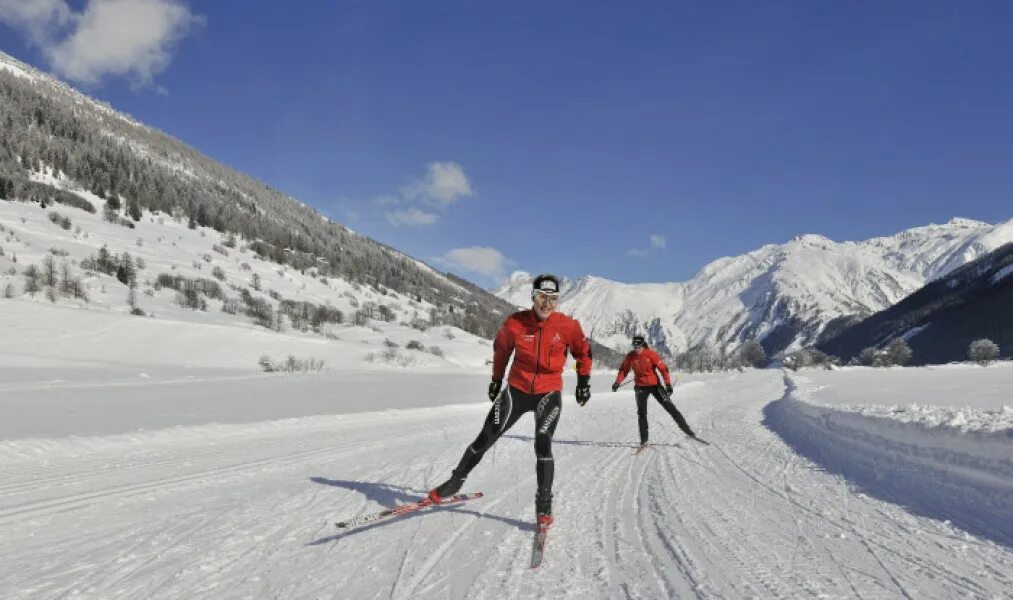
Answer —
(45, 127)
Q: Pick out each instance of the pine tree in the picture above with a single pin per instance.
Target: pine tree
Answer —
(134, 209)
(104, 261)
(32, 280)
(125, 273)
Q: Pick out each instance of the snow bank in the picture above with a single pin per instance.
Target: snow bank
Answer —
(951, 463)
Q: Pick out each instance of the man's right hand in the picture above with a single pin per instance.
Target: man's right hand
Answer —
(494, 387)
(615, 387)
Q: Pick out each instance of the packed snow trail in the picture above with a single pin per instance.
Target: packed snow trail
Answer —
(248, 510)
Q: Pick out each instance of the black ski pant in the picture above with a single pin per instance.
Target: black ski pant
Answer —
(642, 392)
(508, 407)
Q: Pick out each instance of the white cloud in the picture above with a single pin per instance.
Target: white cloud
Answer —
(387, 200)
(442, 186)
(657, 242)
(39, 19)
(477, 259)
(423, 202)
(412, 216)
(127, 38)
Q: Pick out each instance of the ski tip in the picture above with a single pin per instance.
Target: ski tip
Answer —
(701, 440)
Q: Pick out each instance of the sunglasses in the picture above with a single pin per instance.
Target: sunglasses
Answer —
(639, 344)
(545, 297)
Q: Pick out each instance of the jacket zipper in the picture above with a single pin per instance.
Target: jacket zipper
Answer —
(538, 358)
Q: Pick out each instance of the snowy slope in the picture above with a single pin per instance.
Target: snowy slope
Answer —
(246, 509)
(785, 294)
(15, 66)
(102, 329)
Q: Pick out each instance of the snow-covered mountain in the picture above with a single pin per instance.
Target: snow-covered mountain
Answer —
(785, 295)
(940, 320)
(61, 149)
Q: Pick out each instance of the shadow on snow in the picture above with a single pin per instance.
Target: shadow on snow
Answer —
(388, 496)
(528, 438)
(979, 510)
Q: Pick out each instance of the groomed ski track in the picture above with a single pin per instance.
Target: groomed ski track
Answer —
(248, 511)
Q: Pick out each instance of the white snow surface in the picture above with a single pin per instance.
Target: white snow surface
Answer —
(150, 457)
(811, 279)
(135, 469)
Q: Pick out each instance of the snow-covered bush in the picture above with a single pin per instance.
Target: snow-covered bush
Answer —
(60, 220)
(898, 352)
(414, 345)
(752, 354)
(809, 357)
(391, 356)
(386, 313)
(983, 351)
(290, 364)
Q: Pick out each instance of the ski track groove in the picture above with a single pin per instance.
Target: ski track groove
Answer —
(744, 517)
(663, 554)
(75, 501)
(436, 556)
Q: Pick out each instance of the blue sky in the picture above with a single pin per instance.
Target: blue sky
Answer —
(634, 141)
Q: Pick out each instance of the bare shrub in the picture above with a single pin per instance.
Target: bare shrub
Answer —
(290, 365)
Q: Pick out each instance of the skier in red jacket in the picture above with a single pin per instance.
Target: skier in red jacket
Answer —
(644, 361)
(539, 340)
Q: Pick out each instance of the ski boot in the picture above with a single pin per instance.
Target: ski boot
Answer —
(446, 489)
(543, 508)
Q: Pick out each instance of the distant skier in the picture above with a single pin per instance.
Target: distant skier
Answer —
(539, 340)
(644, 361)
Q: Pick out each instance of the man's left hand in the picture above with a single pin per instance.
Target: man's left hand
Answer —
(583, 392)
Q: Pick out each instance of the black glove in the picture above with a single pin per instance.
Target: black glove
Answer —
(615, 387)
(583, 392)
(494, 387)
(668, 389)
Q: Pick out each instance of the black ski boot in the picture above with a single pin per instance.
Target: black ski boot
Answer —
(543, 508)
(446, 489)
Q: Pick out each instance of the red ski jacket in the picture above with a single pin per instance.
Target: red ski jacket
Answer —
(539, 349)
(643, 366)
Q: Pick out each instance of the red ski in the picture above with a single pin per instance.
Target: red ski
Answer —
(541, 536)
(404, 509)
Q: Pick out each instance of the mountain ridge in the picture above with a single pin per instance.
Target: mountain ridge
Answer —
(785, 295)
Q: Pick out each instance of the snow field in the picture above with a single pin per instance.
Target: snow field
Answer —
(247, 510)
(950, 463)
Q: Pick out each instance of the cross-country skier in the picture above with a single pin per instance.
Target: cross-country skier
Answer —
(644, 361)
(539, 340)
